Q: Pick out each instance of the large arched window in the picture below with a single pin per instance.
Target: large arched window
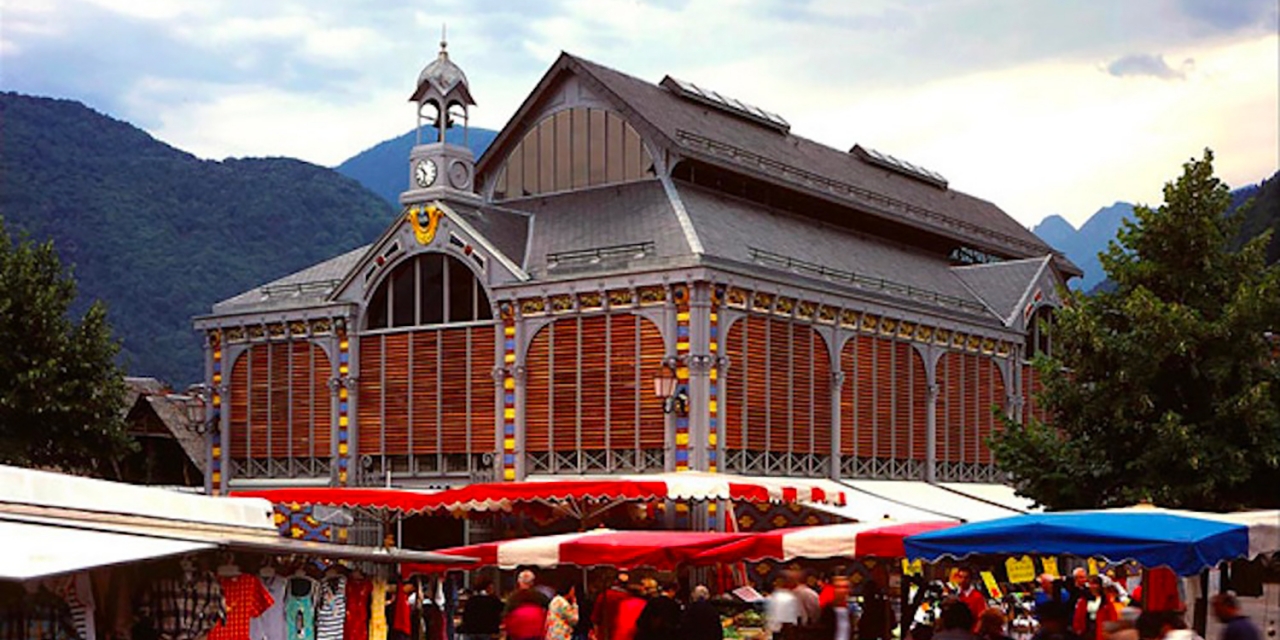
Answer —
(1040, 332)
(571, 149)
(428, 289)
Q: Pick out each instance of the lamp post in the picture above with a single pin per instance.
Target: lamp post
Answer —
(667, 386)
(196, 412)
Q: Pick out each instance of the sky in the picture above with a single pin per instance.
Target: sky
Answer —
(1041, 106)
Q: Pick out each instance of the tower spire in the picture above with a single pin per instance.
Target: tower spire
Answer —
(444, 40)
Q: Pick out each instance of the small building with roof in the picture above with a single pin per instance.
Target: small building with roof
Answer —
(637, 277)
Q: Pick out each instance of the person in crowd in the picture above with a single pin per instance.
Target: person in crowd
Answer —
(526, 616)
(1226, 608)
(1126, 627)
(482, 616)
(1150, 625)
(700, 621)
(1055, 622)
(660, 619)
(782, 609)
(969, 594)
(1077, 587)
(877, 619)
(562, 613)
(836, 620)
(828, 587)
(1050, 589)
(805, 595)
(991, 625)
(956, 621)
(629, 611)
(604, 614)
(1094, 611)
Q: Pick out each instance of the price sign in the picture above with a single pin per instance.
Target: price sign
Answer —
(993, 589)
(1051, 567)
(912, 568)
(1020, 570)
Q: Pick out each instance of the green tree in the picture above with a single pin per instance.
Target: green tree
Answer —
(1166, 388)
(61, 392)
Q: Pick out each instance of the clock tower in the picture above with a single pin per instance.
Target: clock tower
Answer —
(437, 168)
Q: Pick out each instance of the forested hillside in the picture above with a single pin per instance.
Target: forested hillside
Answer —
(161, 235)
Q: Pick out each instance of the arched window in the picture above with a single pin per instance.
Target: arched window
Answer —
(571, 149)
(428, 289)
(1040, 332)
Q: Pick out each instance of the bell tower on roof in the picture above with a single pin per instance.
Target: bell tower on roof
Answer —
(439, 168)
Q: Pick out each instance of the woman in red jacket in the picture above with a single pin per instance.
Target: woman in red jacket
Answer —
(1094, 612)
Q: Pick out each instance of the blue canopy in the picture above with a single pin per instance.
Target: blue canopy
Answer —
(1151, 537)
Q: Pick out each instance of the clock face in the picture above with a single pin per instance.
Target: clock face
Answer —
(459, 175)
(425, 173)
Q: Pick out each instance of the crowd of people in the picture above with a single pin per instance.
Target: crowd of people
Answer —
(1082, 607)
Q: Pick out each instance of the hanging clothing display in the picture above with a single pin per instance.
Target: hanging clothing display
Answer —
(358, 596)
(402, 621)
(43, 614)
(246, 599)
(332, 613)
(184, 608)
(270, 625)
(300, 608)
(78, 593)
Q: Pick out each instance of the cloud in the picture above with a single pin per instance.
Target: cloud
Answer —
(1142, 64)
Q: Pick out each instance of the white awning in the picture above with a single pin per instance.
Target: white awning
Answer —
(36, 550)
(934, 499)
(862, 506)
(999, 494)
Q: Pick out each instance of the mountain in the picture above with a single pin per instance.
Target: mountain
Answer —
(384, 167)
(1082, 246)
(160, 235)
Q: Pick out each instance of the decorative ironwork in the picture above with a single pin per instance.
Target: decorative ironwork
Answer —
(561, 303)
(592, 300)
(827, 314)
(762, 302)
(533, 306)
(652, 295)
(736, 297)
(621, 297)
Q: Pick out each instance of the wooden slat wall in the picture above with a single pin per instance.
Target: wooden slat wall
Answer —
(971, 388)
(778, 391)
(588, 383)
(280, 402)
(883, 399)
(427, 392)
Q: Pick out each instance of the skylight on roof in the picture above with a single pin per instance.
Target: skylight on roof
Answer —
(729, 105)
(900, 166)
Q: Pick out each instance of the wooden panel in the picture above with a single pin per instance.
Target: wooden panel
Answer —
(455, 385)
(624, 390)
(483, 403)
(537, 404)
(369, 396)
(395, 401)
(902, 399)
(652, 350)
(756, 398)
(735, 385)
(593, 382)
(259, 400)
(848, 395)
(238, 403)
(919, 408)
(867, 389)
(564, 386)
(821, 392)
(425, 391)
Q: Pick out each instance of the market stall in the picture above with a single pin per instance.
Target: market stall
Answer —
(862, 539)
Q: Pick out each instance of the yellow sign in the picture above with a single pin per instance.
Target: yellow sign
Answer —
(1051, 567)
(993, 589)
(1093, 567)
(912, 568)
(1020, 570)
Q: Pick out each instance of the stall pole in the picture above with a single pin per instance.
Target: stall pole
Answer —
(905, 614)
(1202, 604)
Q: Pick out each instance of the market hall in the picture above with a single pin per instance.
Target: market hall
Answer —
(636, 278)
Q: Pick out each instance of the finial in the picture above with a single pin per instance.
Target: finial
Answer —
(444, 40)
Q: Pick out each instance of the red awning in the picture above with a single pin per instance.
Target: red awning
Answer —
(576, 496)
(880, 539)
(599, 547)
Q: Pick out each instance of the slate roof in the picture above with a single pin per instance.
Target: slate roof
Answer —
(505, 227)
(1001, 285)
(713, 135)
(577, 223)
(740, 231)
(310, 286)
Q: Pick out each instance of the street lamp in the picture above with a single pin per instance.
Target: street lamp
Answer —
(667, 386)
(195, 407)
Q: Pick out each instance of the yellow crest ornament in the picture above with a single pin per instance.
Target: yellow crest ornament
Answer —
(425, 220)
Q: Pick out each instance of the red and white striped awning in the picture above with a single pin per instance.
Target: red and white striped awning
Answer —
(881, 539)
(576, 495)
(599, 547)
